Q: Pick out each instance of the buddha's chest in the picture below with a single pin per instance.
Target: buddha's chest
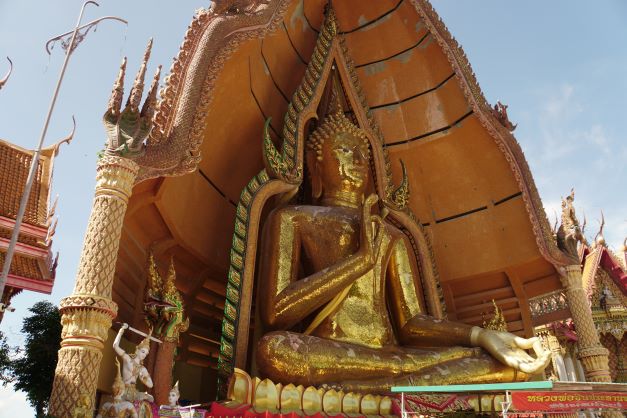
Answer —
(361, 317)
(327, 239)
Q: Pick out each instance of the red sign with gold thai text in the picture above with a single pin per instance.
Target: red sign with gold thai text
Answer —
(568, 401)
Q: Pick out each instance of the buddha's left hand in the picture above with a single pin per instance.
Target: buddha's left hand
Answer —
(509, 349)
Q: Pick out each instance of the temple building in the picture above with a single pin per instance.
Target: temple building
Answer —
(34, 264)
(221, 227)
(604, 280)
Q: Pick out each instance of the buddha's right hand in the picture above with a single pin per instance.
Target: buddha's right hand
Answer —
(372, 227)
(509, 349)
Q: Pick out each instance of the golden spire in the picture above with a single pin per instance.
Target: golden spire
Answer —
(135, 97)
(624, 247)
(169, 288)
(115, 102)
(148, 109)
(498, 322)
(6, 77)
(118, 382)
(583, 225)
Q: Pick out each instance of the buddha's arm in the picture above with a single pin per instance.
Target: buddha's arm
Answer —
(416, 328)
(286, 299)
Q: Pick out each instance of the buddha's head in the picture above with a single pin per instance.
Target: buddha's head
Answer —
(338, 157)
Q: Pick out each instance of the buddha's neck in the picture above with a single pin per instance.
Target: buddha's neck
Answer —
(343, 197)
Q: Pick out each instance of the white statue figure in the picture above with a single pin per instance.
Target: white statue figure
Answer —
(173, 399)
(118, 407)
(174, 395)
(133, 368)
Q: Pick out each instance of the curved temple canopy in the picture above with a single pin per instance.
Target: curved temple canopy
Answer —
(471, 188)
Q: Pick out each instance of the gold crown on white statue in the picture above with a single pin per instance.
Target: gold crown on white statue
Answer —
(145, 343)
(175, 389)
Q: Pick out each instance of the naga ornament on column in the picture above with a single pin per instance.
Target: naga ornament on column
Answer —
(569, 233)
(88, 312)
(593, 356)
(165, 314)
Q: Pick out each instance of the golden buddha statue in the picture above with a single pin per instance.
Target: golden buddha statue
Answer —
(338, 291)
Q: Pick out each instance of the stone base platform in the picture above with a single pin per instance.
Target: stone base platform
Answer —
(265, 395)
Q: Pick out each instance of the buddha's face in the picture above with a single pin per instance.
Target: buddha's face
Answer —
(344, 164)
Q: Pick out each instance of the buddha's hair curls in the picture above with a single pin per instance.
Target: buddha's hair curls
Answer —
(331, 125)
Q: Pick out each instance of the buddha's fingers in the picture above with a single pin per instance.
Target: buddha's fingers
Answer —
(538, 349)
(368, 203)
(366, 217)
(525, 343)
(536, 365)
(512, 361)
(379, 228)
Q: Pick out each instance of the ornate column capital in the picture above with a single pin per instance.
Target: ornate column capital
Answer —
(571, 276)
(115, 177)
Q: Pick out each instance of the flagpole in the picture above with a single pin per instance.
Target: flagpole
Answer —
(35, 161)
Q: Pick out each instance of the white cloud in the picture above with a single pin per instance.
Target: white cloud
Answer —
(14, 404)
(596, 136)
(556, 113)
(558, 105)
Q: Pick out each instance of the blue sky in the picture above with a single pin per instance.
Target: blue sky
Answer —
(561, 66)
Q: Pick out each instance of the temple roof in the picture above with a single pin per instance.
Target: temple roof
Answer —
(604, 279)
(471, 187)
(33, 266)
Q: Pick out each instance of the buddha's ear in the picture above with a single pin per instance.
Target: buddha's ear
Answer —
(316, 187)
(314, 174)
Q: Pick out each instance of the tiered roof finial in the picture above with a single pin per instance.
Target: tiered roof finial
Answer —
(128, 128)
(115, 102)
(6, 77)
(624, 247)
(148, 109)
(135, 97)
(599, 239)
(500, 113)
